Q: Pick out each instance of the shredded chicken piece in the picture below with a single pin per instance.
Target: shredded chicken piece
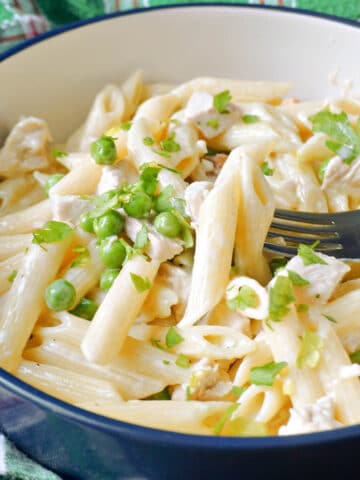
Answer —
(27, 148)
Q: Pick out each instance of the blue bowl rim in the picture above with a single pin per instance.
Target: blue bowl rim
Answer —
(137, 432)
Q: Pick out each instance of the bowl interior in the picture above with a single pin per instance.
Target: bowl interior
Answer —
(57, 78)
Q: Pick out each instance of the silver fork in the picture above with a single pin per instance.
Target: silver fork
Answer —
(338, 234)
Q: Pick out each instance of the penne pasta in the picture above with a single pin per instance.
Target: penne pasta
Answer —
(140, 289)
(110, 326)
(25, 300)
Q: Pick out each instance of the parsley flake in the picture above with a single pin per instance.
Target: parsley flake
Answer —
(148, 177)
(126, 126)
(59, 154)
(246, 298)
(52, 231)
(250, 119)
(173, 338)
(281, 295)
(302, 308)
(156, 342)
(355, 357)
(344, 141)
(12, 276)
(238, 391)
(141, 239)
(322, 169)
(163, 395)
(267, 171)
(309, 354)
(141, 284)
(277, 264)
(221, 101)
(182, 361)
(213, 123)
(265, 375)
(225, 417)
(297, 279)
(308, 255)
(83, 257)
(330, 318)
(148, 141)
(169, 145)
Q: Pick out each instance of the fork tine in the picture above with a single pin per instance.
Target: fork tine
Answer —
(292, 251)
(281, 250)
(329, 228)
(304, 217)
(307, 240)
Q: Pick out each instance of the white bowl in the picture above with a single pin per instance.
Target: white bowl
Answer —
(58, 78)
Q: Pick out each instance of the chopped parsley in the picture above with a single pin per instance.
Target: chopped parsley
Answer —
(355, 357)
(309, 354)
(297, 279)
(12, 276)
(83, 257)
(213, 123)
(265, 375)
(267, 171)
(221, 101)
(302, 308)
(173, 338)
(141, 284)
(308, 255)
(322, 169)
(59, 154)
(156, 342)
(225, 417)
(182, 361)
(148, 177)
(148, 141)
(280, 297)
(277, 263)
(344, 141)
(126, 126)
(166, 362)
(330, 318)
(246, 298)
(250, 119)
(169, 145)
(141, 239)
(163, 395)
(52, 231)
(238, 391)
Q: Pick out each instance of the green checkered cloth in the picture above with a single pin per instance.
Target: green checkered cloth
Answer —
(23, 19)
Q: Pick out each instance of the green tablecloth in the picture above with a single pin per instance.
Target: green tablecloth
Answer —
(23, 19)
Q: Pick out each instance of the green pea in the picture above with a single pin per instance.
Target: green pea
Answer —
(107, 278)
(112, 253)
(139, 205)
(86, 308)
(167, 224)
(87, 222)
(163, 200)
(103, 150)
(51, 181)
(60, 295)
(111, 223)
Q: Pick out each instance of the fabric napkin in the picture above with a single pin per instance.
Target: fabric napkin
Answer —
(24, 19)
